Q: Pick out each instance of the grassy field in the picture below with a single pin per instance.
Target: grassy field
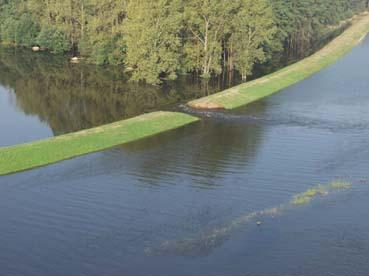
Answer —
(254, 90)
(39, 153)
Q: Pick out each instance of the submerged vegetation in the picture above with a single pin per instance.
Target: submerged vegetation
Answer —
(40, 153)
(207, 241)
(160, 39)
(321, 190)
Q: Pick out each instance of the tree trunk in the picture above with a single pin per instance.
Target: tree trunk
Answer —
(206, 67)
(82, 19)
(244, 77)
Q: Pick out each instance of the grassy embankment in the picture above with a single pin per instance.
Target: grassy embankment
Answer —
(252, 91)
(39, 153)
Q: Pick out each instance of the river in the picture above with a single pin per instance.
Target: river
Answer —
(187, 202)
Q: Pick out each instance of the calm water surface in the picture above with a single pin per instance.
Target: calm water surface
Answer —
(180, 203)
(42, 95)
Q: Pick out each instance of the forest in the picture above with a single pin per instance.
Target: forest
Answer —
(158, 40)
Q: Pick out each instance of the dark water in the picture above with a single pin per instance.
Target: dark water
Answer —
(181, 203)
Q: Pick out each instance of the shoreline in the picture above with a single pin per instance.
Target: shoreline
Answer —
(257, 89)
(44, 152)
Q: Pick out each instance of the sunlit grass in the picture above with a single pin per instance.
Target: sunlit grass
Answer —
(40, 153)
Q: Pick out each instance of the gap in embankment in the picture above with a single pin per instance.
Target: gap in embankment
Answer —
(40, 153)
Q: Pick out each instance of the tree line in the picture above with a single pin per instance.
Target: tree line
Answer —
(160, 39)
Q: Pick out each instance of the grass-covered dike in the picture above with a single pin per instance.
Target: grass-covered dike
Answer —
(40, 153)
(257, 89)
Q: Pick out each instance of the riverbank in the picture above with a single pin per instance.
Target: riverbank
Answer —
(257, 89)
(40, 153)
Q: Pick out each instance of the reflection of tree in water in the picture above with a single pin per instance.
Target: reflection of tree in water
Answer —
(71, 97)
(207, 155)
(206, 152)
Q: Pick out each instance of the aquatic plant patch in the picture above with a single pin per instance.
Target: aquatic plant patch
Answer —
(321, 190)
(208, 240)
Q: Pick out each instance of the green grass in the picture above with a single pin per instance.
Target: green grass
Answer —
(254, 90)
(39, 153)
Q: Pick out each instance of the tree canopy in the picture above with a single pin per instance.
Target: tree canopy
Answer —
(162, 38)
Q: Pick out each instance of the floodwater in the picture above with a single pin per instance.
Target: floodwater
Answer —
(42, 95)
(187, 202)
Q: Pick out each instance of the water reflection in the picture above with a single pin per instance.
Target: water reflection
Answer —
(219, 148)
(171, 192)
(70, 97)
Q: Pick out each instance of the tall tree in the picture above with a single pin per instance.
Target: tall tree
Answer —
(163, 37)
(205, 23)
(102, 33)
(151, 33)
(253, 33)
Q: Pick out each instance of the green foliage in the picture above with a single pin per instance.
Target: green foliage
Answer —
(101, 35)
(158, 39)
(254, 30)
(103, 52)
(8, 30)
(206, 25)
(53, 40)
(257, 89)
(19, 31)
(301, 23)
(152, 38)
(27, 30)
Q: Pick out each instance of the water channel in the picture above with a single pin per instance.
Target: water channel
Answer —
(179, 203)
